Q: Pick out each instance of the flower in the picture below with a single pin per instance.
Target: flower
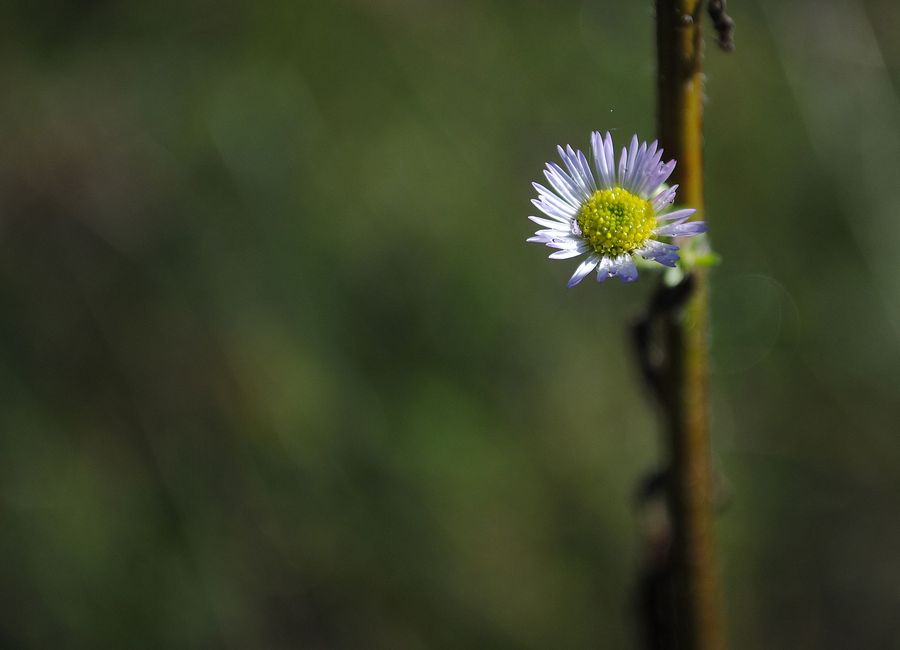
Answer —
(611, 214)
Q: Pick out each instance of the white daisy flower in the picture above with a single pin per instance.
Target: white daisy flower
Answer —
(611, 214)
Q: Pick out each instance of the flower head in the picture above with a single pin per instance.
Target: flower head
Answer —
(611, 213)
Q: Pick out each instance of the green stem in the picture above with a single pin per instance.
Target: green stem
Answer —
(680, 115)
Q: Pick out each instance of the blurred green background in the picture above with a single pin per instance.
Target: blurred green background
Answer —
(279, 371)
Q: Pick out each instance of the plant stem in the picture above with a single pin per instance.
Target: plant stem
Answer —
(680, 123)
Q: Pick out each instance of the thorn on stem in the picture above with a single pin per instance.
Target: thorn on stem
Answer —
(665, 301)
(723, 24)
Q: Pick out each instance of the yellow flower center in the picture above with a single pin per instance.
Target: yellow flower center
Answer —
(615, 221)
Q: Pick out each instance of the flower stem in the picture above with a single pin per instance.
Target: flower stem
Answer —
(680, 122)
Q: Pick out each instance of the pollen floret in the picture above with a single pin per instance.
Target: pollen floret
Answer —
(611, 212)
(615, 221)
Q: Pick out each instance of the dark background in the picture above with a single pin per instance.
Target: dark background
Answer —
(278, 370)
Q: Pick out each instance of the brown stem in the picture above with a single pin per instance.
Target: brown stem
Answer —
(680, 115)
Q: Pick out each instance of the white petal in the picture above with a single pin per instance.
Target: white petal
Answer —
(643, 184)
(635, 158)
(610, 157)
(665, 254)
(688, 229)
(677, 215)
(544, 192)
(566, 253)
(566, 242)
(623, 268)
(570, 158)
(625, 180)
(664, 198)
(583, 269)
(586, 172)
(554, 210)
(645, 157)
(603, 171)
(552, 235)
(659, 175)
(567, 188)
(652, 247)
(574, 174)
(553, 224)
(603, 269)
